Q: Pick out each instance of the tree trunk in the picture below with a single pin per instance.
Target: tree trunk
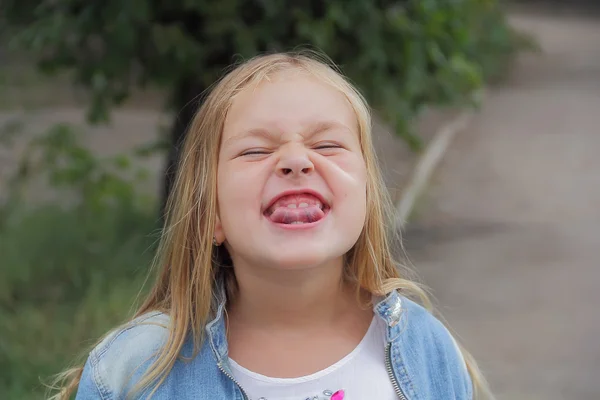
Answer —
(186, 103)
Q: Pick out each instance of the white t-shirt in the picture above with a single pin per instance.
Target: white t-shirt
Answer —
(361, 375)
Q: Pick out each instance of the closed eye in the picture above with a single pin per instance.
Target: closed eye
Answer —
(254, 152)
(328, 146)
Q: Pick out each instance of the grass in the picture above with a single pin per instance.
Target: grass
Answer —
(64, 282)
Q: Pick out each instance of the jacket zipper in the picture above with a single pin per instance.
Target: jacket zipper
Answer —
(244, 395)
(388, 365)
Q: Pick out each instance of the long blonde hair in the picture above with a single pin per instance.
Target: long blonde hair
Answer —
(188, 262)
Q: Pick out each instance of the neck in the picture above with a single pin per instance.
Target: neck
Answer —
(274, 298)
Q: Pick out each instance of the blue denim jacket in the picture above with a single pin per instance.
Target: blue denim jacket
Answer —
(422, 359)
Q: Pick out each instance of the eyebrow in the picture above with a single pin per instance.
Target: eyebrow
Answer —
(313, 130)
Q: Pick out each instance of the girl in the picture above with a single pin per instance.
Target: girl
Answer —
(276, 274)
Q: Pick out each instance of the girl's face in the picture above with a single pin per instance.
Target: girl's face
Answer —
(291, 176)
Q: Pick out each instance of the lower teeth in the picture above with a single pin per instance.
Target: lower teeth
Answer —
(296, 223)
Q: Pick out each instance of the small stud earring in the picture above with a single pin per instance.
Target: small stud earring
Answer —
(214, 242)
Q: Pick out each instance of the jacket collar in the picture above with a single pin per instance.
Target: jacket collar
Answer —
(391, 310)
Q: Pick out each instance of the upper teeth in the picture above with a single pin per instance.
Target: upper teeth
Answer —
(302, 205)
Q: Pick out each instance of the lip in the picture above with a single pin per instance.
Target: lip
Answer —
(298, 192)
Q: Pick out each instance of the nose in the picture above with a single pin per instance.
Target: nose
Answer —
(294, 163)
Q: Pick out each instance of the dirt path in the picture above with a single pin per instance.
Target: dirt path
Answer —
(509, 236)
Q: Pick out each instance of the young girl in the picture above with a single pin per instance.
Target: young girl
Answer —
(277, 280)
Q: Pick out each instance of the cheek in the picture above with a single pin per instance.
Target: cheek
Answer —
(358, 191)
(238, 192)
(227, 196)
(346, 176)
(354, 174)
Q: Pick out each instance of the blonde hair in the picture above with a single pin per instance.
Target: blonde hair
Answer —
(188, 262)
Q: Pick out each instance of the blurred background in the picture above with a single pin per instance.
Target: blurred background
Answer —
(95, 97)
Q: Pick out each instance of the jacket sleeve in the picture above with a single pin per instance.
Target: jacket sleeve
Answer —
(432, 363)
(88, 387)
(121, 359)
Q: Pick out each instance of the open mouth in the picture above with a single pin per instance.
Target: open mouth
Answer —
(297, 209)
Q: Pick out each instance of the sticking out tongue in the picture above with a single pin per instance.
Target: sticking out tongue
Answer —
(296, 209)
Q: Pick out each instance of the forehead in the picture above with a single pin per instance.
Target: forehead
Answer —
(288, 100)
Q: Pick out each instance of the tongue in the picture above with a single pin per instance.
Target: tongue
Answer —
(285, 215)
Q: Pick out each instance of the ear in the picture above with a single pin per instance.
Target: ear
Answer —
(218, 233)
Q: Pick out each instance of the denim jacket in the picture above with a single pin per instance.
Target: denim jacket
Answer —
(422, 359)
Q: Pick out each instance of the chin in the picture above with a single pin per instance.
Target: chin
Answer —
(301, 259)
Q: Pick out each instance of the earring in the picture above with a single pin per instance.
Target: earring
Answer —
(215, 243)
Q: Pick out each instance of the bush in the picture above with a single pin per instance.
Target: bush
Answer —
(67, 273)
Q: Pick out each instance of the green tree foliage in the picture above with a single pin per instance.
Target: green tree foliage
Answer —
(403, 54)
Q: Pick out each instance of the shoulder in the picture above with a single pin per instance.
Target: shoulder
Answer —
(421, 325)
(123, 356)
(431, 356)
